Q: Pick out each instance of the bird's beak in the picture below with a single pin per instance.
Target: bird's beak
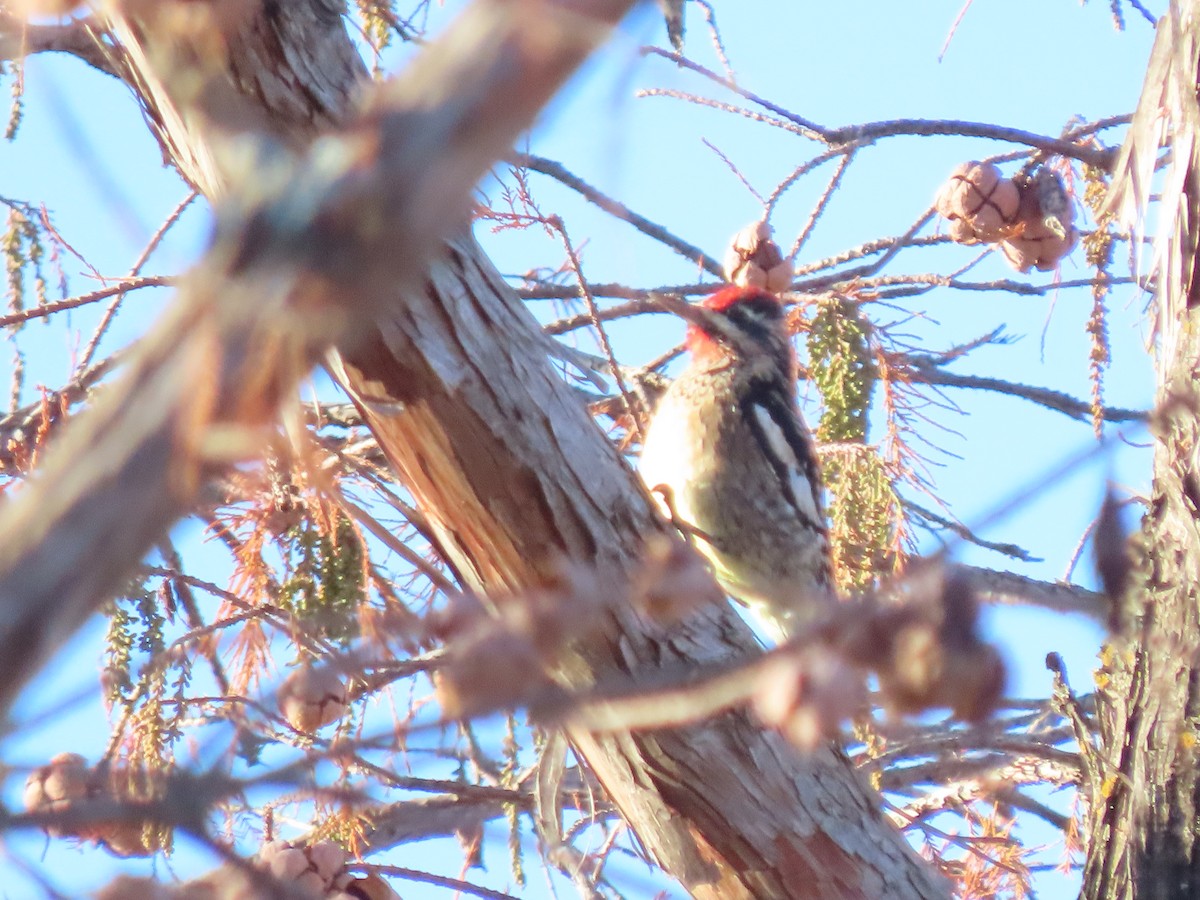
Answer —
(696, 315)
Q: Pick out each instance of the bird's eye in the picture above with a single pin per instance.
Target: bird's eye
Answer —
(758, 311)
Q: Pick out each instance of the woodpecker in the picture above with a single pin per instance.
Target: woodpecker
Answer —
(731, 461)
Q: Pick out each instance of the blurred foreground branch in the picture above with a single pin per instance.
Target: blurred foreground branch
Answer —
(316, 244)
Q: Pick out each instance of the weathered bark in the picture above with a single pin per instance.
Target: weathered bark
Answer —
(1144, 839)
(514, 476)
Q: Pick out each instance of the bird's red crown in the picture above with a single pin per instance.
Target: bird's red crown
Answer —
(700, 342)
(732, 294)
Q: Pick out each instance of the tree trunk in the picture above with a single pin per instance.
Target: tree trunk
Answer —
(1144, 838)
(514, 476)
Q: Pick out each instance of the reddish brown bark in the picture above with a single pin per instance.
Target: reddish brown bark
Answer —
(514, 476)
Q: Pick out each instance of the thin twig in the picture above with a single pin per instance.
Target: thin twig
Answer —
(714, 33)
(965, 533)
(1065, 702)
(618, 210)
(49, 309)
(822, 202)
(1093, 156)
(106, 320)
(801, 125)
(445, 881)
(631, 404)
(732, 166)
(921, 373)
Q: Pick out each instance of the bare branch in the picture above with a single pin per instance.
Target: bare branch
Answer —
(990, 784)
(963, 532)
(922, 373)
(1100, 158)
(82, 38)
(417, 820)
(124, 286)
(456, 884)
(1011, 588)
(106, 320)
(618, 210)
(925, 282)
(871, 131)
(799, 124)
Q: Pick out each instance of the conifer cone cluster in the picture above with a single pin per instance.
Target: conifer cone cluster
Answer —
(312, 697)
(1030, 217)
(753, 259)
(67, 785)
(314, 871)
(54, 787)
(320, 869)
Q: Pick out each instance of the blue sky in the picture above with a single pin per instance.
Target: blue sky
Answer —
(1034, 64)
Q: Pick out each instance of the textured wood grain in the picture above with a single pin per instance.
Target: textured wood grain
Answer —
(1145, 828)
(513, 476)
(453, 376)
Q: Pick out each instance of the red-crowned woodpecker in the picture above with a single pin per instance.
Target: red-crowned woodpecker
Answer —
(732, 462)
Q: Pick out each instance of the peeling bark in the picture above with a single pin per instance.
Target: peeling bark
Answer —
(1145, 835)
(513, 476)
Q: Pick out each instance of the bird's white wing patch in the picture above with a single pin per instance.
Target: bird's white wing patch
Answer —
(778, 444)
